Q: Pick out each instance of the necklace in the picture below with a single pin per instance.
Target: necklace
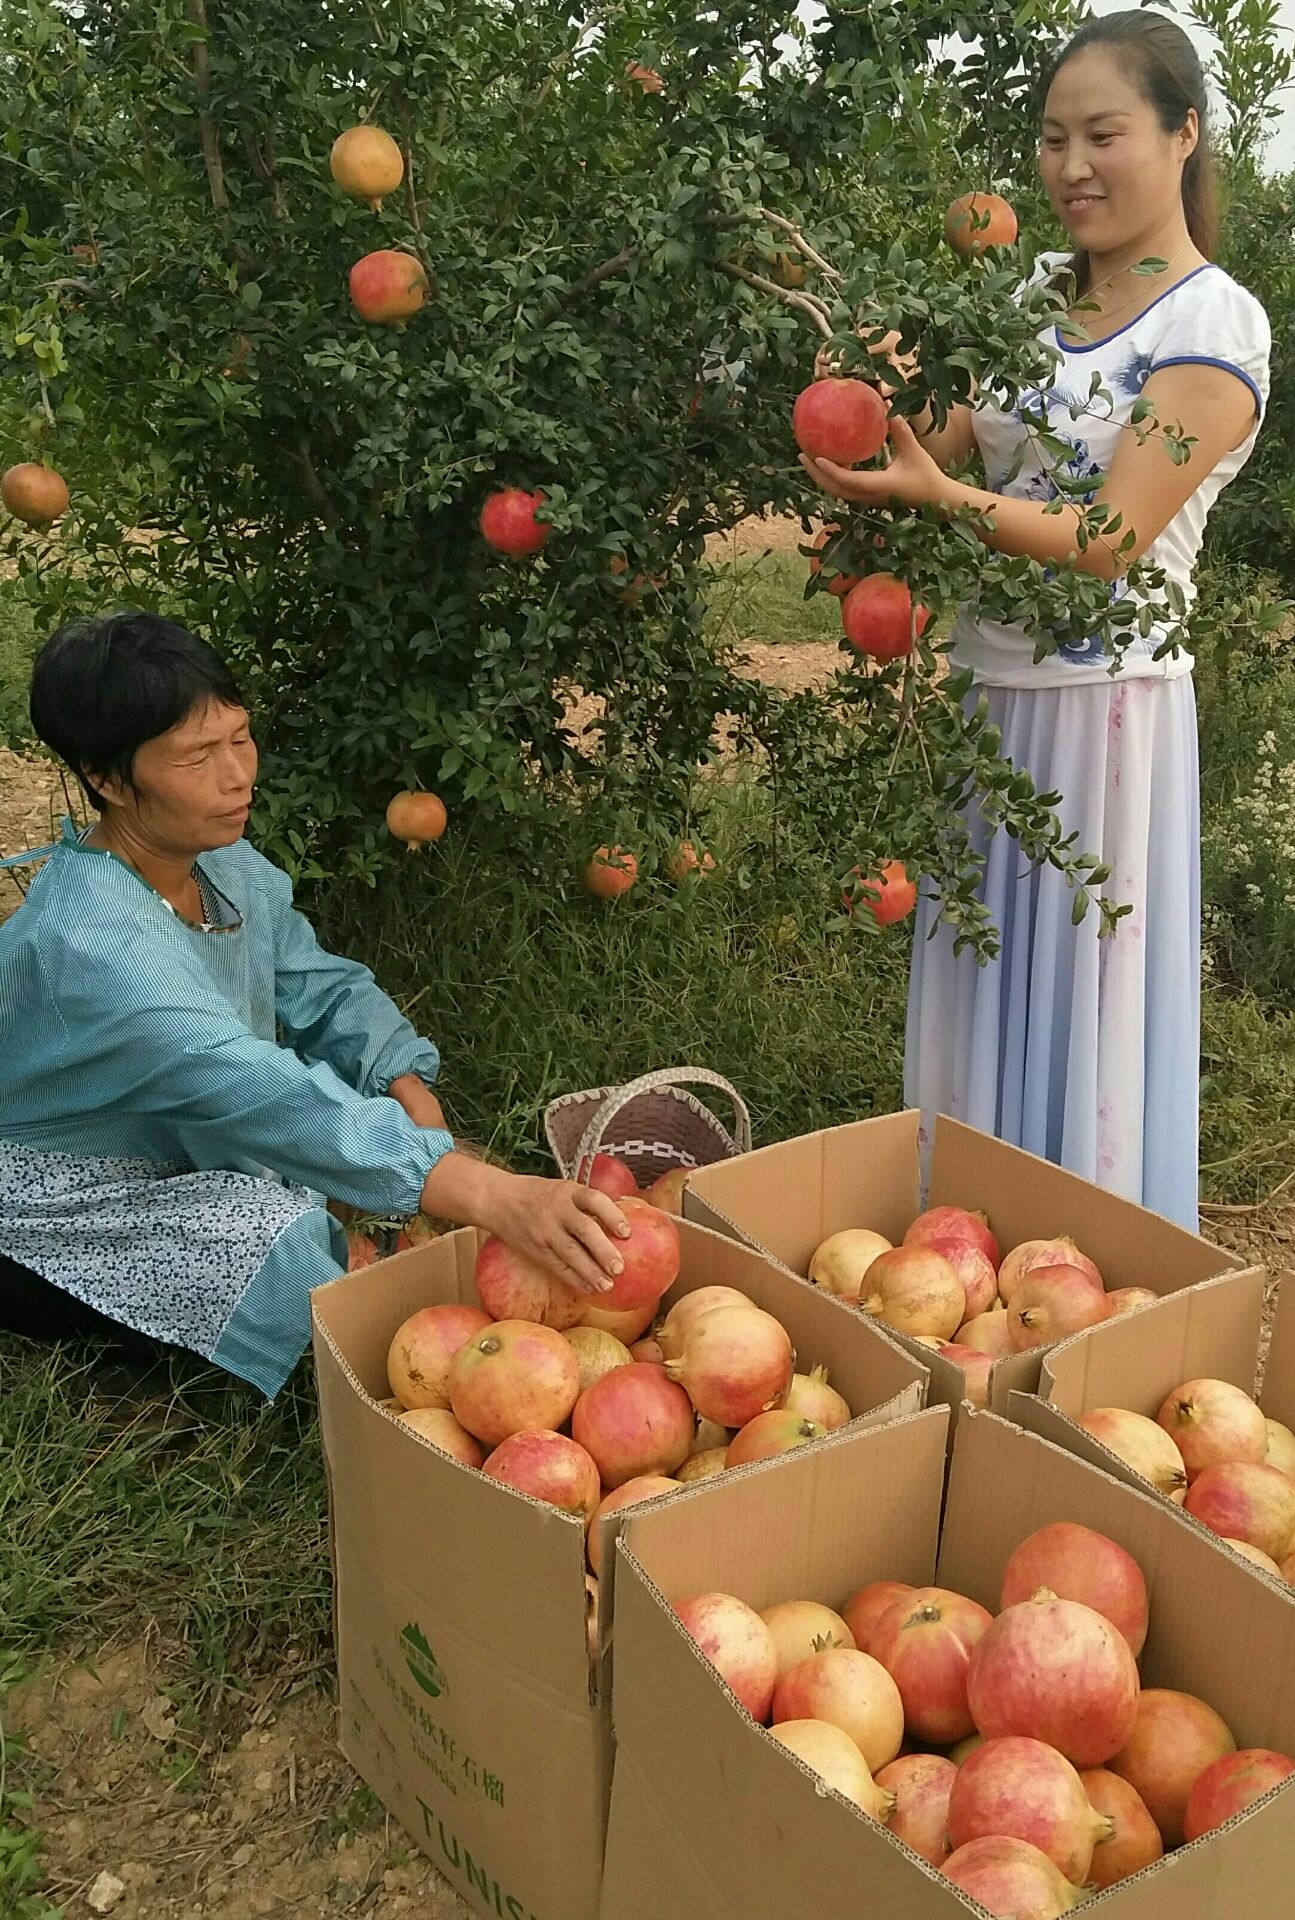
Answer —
(1105, 314)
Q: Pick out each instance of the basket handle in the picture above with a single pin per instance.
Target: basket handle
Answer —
(648, 1083)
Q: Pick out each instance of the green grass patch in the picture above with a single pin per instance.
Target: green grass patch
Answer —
(17, 650)
(760, 599)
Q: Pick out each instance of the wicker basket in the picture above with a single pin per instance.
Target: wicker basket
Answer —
(652, 1124)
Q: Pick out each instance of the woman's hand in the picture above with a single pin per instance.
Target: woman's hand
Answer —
(570, 1229)
(827, 362)
(418, 1101)
(911, 479)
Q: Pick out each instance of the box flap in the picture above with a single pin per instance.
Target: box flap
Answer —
(1279, 1368)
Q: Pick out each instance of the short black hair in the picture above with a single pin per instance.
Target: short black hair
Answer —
(104, 684)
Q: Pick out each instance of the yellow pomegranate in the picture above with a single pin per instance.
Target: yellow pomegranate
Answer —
(366, 163)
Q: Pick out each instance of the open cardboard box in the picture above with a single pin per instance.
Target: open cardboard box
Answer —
(1211, 1332)
(473, 1700)
(788, 1198)
(712, 1820)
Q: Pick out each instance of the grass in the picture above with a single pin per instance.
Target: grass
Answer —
(17, 647)
(208, 1513)
(760, 597)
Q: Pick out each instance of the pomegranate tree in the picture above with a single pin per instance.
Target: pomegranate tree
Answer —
(735, 1640)
(1025, 1790)
(925, 1643)
(1056, 1671)
(1077, 1563)
(634, 1420)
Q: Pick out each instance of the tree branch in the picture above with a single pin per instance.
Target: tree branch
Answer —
(313, 487)
(594, 277)
(262, 165)
(805, 302)
(207, 134)
(798, 239)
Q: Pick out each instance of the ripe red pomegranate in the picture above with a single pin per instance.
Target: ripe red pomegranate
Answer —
(647, 79)
(685, 859)
(634, 1421)
(979, 220)
(438, 1425)
(512, 1375)
(833, 1756)
(1129, 1300)
(973, 1267)
(548, 1467)
(976, 1369)
(736, 1362)
(888, 896)
(667, 1192)
(839, 420)
(925, 1643)
(688, 1309)
(1212, 1424)
(644, 1486)
(1076, 1563)
(416, 818)
(841, 1261)
(865, 1608)
(388, 287)
(608, 1174)
(649, 1350)
(1050, 1304)
(879, 619)
(1056, 1671)
(921, 1784)
(937, 1222)
(1023, 1259)
(596, 1353)
(511, 1287)
(771, 1434)
(1141, 1445)
(1232, 1784)
(811, 1395)
(854, 1692)
(509, 523)
(989, 1333)
(916, 1291)
(1135, 1840)
(735, 1640)
(1024, 1790)
(802, 1627)
(1174, 1738)
(422, 1352)
(650, 1256)
(1012, 1879)
(1244, 1502)
(34, 493)
(839, 583)
(610, 873)
(366, 163)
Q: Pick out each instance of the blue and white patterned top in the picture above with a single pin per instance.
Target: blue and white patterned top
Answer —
(173, 1097)
(1206, 319)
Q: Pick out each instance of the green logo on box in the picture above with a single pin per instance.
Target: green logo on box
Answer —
(422, 1662)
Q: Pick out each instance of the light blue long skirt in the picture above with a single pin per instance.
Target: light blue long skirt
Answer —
(1084, 1051)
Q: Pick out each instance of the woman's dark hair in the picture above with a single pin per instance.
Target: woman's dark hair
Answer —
(1166, 68)
(104, 685)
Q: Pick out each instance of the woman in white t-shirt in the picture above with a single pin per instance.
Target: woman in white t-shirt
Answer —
(1087, 1051)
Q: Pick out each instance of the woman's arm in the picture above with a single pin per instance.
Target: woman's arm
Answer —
(1145, 487)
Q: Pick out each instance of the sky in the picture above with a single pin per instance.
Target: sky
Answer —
(1280, 154)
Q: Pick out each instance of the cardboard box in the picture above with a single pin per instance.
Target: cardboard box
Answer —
(472, 1700)
(710, 1819)
(788, 1198)
(1211, 1332)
